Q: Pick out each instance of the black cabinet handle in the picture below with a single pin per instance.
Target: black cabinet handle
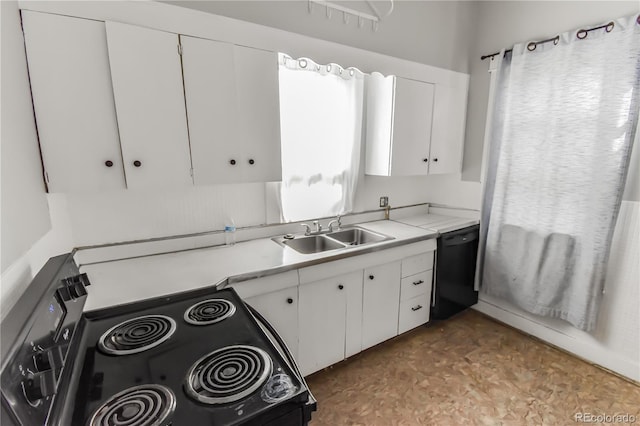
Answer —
(435, 159)
(340, 286)
(418, 282)
(232, 162)
(108, 163)
(425, 159)
(415, 308)
(251, 161)
(137, 163)
(289, 300)
(371, 277)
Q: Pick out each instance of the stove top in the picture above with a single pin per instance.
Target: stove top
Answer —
(198, 358)
(137, 335)
(194, 361)
(146, 404)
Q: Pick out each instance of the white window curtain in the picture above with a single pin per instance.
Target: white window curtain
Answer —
(561, 135)
(321, 124)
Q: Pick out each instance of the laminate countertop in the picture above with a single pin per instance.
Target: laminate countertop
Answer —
(438, 223)
(125, 281)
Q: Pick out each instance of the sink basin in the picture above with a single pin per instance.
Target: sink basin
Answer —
(350, 237)
(358, 236)
(313, 244)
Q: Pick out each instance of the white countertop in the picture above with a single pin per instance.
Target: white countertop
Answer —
(129, 280)
(438, 223)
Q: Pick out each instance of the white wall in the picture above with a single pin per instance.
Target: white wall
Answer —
(430, 32)
(27, 236)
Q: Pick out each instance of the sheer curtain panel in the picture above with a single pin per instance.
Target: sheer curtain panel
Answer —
(321, 124)
(561, 135)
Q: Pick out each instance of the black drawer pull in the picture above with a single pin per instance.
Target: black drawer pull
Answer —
(289, 300)
(418, 282)
(415, 308)
(371, 277)
(340, 286)
(108, 163)
(137, 163)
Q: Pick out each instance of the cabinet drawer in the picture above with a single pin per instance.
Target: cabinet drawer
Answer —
(415, 285)
(413, 312)
(414, 264)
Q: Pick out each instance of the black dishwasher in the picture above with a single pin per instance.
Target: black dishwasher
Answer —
(455, 272)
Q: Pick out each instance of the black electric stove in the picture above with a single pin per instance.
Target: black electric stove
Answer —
(198, 358)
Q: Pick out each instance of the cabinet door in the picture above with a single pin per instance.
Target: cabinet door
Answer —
(412, 115)
(280, 308)
(447, 141)
(379, 123)
(325, 322)
(210, 93)
(380, 303)
(73, 102)
(258, 113)
(149, 97)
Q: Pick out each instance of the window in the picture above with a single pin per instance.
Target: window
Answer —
(321, 123)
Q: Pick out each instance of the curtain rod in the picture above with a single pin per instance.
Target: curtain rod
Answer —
(580, 34)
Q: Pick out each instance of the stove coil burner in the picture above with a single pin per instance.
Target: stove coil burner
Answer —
(146, 405)
(209, 311)
(228, 374)
(137, 335)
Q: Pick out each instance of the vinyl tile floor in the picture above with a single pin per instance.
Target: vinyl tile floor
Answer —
(468, 370)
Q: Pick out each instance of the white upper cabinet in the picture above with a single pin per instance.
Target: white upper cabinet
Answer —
(73, 102)
(411, 133)
(149, 98)
(447, 134)
(414, 127)
(258, 112)
(210, 93)
(233, 111)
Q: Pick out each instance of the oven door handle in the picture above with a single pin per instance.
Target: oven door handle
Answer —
(311, 404)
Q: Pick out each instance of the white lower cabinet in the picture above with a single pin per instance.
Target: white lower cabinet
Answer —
(415, 291)
(331, 311)
(329, 320)
(381, 295)
(280, 308)
(413, 312)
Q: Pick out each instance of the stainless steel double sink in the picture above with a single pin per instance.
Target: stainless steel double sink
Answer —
(342, 239)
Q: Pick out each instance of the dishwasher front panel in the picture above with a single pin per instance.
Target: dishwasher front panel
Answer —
(455, 272)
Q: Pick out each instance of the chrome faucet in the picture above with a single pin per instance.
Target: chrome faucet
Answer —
(308, 231)
(336, 220)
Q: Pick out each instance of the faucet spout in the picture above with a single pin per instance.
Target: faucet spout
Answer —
(334, 221)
